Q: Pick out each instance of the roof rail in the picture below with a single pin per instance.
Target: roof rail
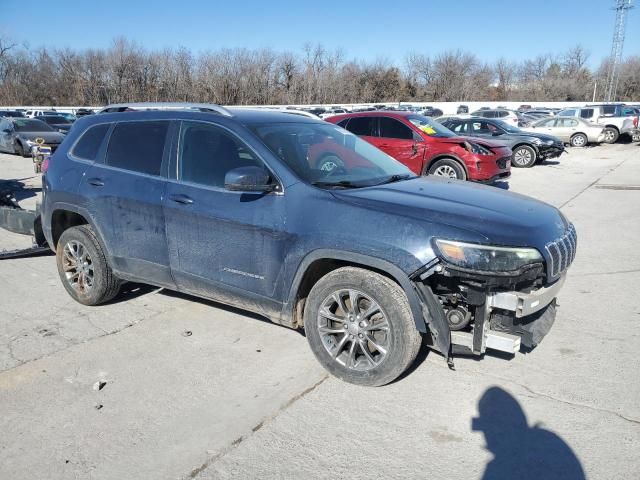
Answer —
(201, 107)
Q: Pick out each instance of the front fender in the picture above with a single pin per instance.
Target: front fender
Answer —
(356, 259)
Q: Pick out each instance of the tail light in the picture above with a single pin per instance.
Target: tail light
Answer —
(635, 122)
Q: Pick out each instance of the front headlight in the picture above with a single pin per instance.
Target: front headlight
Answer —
(537, 141)
(486, 257)
(549, 142)
(477, 149)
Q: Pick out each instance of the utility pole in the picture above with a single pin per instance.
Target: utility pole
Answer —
(621, 8)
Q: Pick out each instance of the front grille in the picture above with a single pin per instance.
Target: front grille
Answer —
(502, 162)
(562, 252)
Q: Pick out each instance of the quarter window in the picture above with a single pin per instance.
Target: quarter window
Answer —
(138, 146)
(392, 128)
(89, 144)
(207, 153)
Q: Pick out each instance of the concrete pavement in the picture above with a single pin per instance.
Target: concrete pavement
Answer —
(124, 391)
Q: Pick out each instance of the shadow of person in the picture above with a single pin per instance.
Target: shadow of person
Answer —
(521, 451)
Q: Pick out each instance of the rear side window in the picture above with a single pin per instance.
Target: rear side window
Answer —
(89, 144)
(343, 123)
(138, 146)
(361, 126)
(392, 128)
(609, 110)
(586, 113)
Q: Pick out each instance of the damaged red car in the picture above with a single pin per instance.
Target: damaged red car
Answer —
(427, 147)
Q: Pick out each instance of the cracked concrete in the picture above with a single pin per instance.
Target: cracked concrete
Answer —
(241, 398)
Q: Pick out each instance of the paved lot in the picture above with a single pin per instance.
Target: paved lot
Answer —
(123, 391)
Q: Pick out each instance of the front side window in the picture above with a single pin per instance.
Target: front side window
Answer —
(392, 128)
(329, 156)
(546, 123)
(207, 153)
(89, 144)
(362, 126)
(567, 113)
(138, 146)
(456, 127)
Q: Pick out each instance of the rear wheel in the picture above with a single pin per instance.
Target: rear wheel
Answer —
(610, 135)
(360, 327)
(524, 157)
(579, 140)
(448, 168)
(83, 267)
(635, 137)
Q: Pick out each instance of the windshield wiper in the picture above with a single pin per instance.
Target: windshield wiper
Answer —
(396, 178)
(341, 183)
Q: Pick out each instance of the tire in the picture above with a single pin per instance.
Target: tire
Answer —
(611, 135)
(524, 156)
(448, 168)
(635, 137)
(99, 284)
(579, 140)
(19, 149)
(373, 350)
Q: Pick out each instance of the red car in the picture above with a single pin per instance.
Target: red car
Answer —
(427, 147)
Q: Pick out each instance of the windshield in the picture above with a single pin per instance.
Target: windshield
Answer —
(506, 127)
(30, 125)
(430, 126)
(55, 119)
(329, 156)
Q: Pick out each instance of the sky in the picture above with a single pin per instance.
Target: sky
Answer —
(363, 30)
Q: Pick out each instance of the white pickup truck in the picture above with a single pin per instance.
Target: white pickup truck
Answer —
(617, 119)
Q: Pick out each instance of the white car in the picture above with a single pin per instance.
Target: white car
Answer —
(574, 131)
(332, 112)
(508, 116)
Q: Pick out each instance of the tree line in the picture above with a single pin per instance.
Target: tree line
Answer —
(127, 72)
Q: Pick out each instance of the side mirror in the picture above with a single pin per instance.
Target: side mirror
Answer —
(248, 179)
(6, 130)
(497, 133)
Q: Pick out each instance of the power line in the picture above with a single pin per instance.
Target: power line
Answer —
(621, 8)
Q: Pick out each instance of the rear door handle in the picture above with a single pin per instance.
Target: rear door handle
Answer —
(96, 182)
(180, 198)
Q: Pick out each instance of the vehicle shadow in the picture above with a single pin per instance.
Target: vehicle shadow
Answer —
(502, 185)
(131, 290)
(18, 189)
(222, 306)
(519, 450)
(549, 162)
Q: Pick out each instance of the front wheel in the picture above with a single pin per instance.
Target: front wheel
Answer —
(19, 149)
(579, 140)
(610, 135)
(83, 267)
(447, 168)
(360, 327)
(524, 157)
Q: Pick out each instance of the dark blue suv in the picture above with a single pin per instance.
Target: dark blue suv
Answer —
(240, 207)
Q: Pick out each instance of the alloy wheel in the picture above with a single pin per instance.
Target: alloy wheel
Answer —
(77, 266)
(522, 157)
(609, 135)
(354, 330)
(445, 171)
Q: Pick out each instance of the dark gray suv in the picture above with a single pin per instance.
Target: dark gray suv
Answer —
(528, 147)
(234, 205)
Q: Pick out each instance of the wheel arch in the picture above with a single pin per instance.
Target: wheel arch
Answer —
(443, 156)
(320, 262)
(64, 216)
(613, 127)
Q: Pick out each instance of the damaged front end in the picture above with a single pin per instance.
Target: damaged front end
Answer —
(469, 311)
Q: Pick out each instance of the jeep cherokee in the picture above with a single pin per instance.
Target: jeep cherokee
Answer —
(368, 257)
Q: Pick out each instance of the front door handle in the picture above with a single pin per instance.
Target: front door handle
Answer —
(96, 182)
(180, 198)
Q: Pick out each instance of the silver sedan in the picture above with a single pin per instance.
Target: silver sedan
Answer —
(574, 131)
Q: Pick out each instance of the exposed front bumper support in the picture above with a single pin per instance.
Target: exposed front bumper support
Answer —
(525, 304)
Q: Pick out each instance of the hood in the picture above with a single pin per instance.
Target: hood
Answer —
(49, 137)
(499, 217)
(480, 141)
(532, 133)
